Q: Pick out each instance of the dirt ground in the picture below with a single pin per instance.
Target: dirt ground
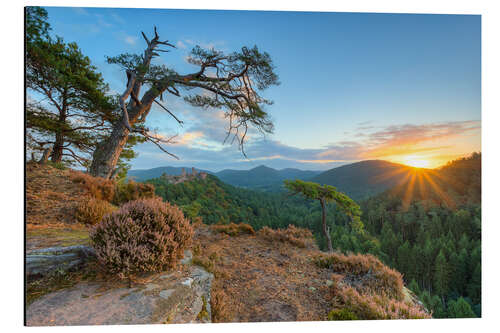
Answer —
(262, 280)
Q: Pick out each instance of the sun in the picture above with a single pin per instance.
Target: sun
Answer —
(416, 162)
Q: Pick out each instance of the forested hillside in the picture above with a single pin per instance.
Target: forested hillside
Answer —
(146, 174)
(366, 178)
(406, 235)
(258, 178)
(433, 236)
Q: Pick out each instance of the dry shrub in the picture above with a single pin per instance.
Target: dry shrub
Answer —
(293, 235)
(145, 235)
(92, 210)
(370, 272)
(132, 190)
(373, 306)
(220, 307)
(206, 263)
(99, 188)
(234, 229)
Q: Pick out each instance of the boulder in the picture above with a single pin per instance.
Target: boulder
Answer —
(180, 296)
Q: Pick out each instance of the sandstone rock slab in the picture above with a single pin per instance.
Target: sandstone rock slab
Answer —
(163, 299)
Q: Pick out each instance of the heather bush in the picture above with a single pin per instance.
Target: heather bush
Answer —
(373, 306)
(370, 271)
(99, 188)
(234, 229)
(92, 210)
(131, 190)
(293, 235)
(143, 235)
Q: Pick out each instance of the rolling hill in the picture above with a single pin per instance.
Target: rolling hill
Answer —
(363, 179)
(261, 177)
(145, 174)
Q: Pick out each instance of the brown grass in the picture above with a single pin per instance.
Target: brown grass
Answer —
(373, 306)
(220, 307)
(99, 188)
(234, 229)
(258, 278)
(92, 210)
(296, 236)
(365, 271)
(51, 197)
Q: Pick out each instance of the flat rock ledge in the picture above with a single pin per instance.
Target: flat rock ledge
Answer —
(179, 296)
(45, 261)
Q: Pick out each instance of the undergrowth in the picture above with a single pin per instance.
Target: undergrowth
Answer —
(234, 229)
(296, 236)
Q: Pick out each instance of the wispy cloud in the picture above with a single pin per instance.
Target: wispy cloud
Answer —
(80, 11)
(181, 45)
(131, 40)
(201, 145)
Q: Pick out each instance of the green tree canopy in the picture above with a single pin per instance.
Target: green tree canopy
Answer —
(69, 107)
(325, 194)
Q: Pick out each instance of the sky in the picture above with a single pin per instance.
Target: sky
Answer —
(354, 86)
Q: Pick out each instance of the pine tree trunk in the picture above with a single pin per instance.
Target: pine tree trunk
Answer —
(108, 152)
(325, 229)
(57, 149)
(45, 156)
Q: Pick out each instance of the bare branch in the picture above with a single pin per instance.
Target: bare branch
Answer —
(146, 38)
(130, 84)
(164, 108)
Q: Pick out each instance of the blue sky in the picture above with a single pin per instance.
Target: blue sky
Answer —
(354, 86)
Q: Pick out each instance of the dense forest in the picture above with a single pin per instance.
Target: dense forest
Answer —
(435, 242)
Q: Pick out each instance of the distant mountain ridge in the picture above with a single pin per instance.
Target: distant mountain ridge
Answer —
(261, 177)
(145, 174)
(359, 180)
(366, 178)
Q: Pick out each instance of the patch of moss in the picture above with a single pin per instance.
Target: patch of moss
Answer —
(207, 264)
(343, 314)
(203, 314)
(59, 280)
(49, 237)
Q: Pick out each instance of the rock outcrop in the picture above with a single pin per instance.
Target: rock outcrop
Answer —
(41, 262)
(179, 296)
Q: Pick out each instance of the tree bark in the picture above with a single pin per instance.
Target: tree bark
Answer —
(45, 156)
(326, 232)
(57, 149)
(108, 152)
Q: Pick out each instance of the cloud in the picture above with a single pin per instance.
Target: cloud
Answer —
(404, 139)
(80, 10)
(131, 40)
(181, 45)
(205, 45)
(200, 143)
(117, 18)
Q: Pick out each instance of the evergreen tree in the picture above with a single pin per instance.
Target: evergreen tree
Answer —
(441, 274)
(324, 194)
(460, 309)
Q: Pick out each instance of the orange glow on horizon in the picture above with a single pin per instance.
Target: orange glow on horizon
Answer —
(416, 162)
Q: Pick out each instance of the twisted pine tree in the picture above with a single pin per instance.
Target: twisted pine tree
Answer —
(324, 194)
(69, 108)
(226, 81)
